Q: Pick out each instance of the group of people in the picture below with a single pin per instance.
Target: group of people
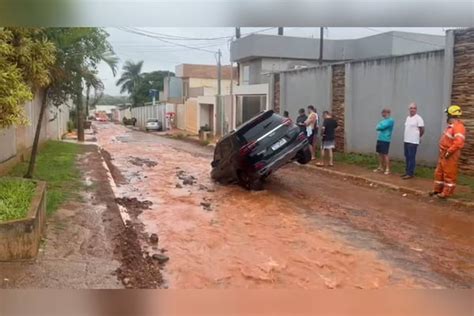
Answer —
(414, 130)
(450, 145)
(310, 125)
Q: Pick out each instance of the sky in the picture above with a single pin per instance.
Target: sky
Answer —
(178, 45)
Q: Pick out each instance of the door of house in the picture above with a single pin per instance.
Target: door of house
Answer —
(251, 106)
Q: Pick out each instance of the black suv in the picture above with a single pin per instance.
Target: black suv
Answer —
(257, 148)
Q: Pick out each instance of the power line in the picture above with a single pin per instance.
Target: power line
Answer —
(165, 41)
(158, 48)
(181, 38)
(177, 37)
(169, 38)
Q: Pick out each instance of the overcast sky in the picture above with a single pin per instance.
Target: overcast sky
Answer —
(168, 51)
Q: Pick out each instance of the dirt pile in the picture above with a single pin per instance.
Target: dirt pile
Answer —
(137, 269)
(186, 178)
(140, 162)
(133, 205)
(116, 174)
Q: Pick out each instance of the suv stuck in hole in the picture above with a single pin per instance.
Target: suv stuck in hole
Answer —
(258, 148)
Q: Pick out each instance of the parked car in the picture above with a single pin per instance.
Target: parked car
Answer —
(257, 149)
(153, 124)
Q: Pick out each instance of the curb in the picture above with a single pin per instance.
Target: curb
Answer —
(122, 210)
(384, 184)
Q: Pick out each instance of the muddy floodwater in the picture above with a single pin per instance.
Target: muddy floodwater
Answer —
(305, 230)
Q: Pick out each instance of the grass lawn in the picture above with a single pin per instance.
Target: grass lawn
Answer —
(371, 162)
(55, 164)
(15, 198)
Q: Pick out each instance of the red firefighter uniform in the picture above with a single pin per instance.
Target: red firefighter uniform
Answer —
(450, 145)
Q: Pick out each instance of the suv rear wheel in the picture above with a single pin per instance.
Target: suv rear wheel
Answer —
(303, 156)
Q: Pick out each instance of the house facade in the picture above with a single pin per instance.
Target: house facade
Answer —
(261, 59)
(194, 91)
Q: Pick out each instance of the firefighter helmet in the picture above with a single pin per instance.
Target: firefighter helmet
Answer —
(454, 110)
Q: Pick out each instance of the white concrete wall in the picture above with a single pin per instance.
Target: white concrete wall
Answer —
(159, 111)
(192, 115)
(57, 118)
(125, 113)
(394, 83)
(18, 140)
(298, 89)
(7, 144)
(181, 116)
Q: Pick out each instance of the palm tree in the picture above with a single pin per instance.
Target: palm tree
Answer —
(92, 81)
(130, 78)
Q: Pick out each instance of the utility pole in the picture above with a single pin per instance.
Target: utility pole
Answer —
(232, 118)
(321, 35)
(219, 102)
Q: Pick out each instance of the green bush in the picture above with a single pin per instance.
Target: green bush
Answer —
(131, 121)
(15, 198)
(56, 164)
(397, 166)
(70, 126)
(204, 142)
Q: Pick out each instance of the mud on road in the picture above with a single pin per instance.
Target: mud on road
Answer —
(304, 231)
(77, 252)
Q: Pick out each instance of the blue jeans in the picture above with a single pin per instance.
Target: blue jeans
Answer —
(410, 158)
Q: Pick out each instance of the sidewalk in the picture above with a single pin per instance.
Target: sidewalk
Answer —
(464, 195)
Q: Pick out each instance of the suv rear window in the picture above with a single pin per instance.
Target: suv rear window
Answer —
(257, 127)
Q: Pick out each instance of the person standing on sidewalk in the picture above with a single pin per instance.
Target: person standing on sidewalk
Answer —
(328, 138)
(414, 130)
(384, 129)
(301, 119)
(312, 129)
(450, 145)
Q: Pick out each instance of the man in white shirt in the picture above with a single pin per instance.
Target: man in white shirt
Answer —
(414, 130)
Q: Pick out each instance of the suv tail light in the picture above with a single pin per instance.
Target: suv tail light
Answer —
(259, 165)
(301, 137)
(247, 148)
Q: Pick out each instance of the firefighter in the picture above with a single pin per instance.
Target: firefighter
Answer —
(450, 145)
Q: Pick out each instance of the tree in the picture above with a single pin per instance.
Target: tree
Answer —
(78, 52)
(113, 100)
(93, 82)
(130, 79)
(82, 49)
(32, 54)
(151, 80)
(25, 56)
(14, 91)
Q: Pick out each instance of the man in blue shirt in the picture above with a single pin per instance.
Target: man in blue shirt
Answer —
(384, 129)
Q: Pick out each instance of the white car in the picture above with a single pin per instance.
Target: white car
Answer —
(153, 124)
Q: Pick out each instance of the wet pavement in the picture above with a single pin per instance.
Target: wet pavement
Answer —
(306, 230)
(78, 249)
